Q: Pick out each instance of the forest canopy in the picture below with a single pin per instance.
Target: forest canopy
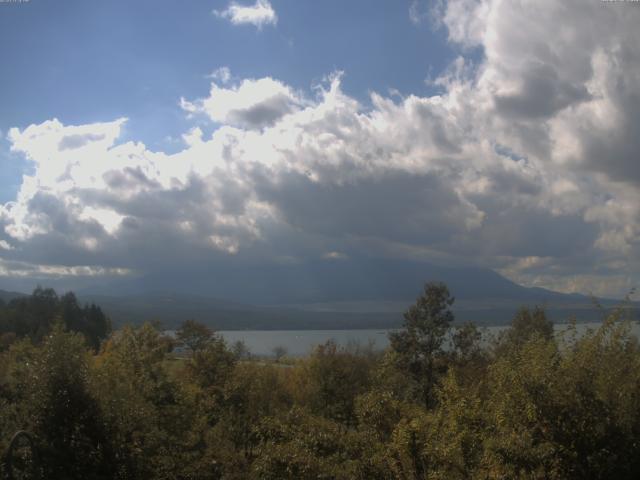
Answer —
(441, 402)
(33, 316)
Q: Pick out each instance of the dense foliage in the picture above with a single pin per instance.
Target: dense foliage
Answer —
(440, 403)
(34, 316)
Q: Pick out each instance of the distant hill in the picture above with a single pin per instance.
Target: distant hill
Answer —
(344, 280)
(6, 296)
(172, 309)
(328, 294)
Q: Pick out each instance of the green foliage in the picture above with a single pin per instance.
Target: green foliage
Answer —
(458, 430)
(466, 342)
(46, 390)
(64, 415)
(526, 324)
(240, 350)
(419, 345)
(194, 335)
(211, 364)
(252, 392)
(300, 445)
(438, 404)
(331, 379)
(279, 353)
(15, 377)
(149, 417)
(34, 316)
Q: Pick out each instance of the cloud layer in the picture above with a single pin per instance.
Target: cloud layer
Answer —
(527, 162)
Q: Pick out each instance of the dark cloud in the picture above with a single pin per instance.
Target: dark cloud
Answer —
(71, 142)
(128, 178)
(616, 152)
(263, 114)
(541, 95)
(397, 206)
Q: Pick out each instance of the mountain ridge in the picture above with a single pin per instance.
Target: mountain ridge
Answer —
(325, 295)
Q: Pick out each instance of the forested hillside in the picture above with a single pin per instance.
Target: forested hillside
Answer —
(528, 404)
(33, 316)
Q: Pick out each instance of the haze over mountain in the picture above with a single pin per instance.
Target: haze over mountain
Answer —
(342, 280)
(8, 296)
(342, 293)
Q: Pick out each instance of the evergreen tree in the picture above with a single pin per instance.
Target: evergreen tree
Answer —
(419, 344)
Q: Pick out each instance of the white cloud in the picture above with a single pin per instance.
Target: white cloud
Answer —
(252, 103)
(259, 14)
(19, 269)
(525, 163)
(193, 137)
(222, 75)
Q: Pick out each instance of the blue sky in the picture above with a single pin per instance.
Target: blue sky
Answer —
(87, 61)
(146, 136)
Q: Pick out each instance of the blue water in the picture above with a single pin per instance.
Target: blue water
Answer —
(302, 342)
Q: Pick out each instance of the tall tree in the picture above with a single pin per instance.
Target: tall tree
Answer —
(194, 335)
(65, 417)
(526, 325)
(419, 343)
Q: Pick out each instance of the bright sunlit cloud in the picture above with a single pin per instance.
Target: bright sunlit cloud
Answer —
(251, 104)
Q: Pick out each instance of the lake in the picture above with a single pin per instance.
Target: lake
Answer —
(302, 342)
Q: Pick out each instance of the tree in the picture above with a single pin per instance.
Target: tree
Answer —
(211, 364)
(194, 335)
(466, 342)
(251, 392)
(297, 445)
(419, 344)
(331, 379)
(279, 352)
(150, 419)
(90, 320)
(240, 350)
(33, 316)
(526, 325)
(65, 416)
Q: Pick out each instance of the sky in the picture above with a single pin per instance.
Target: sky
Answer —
(156, 137)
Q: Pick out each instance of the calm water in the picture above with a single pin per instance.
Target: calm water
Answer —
(301, 342)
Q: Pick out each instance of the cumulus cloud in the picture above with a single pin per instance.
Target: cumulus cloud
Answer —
(526, 163)
(259, 14)
(108, 204)
(252, 103)
(562, 98)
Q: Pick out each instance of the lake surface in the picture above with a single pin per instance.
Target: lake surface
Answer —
(302, 342)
